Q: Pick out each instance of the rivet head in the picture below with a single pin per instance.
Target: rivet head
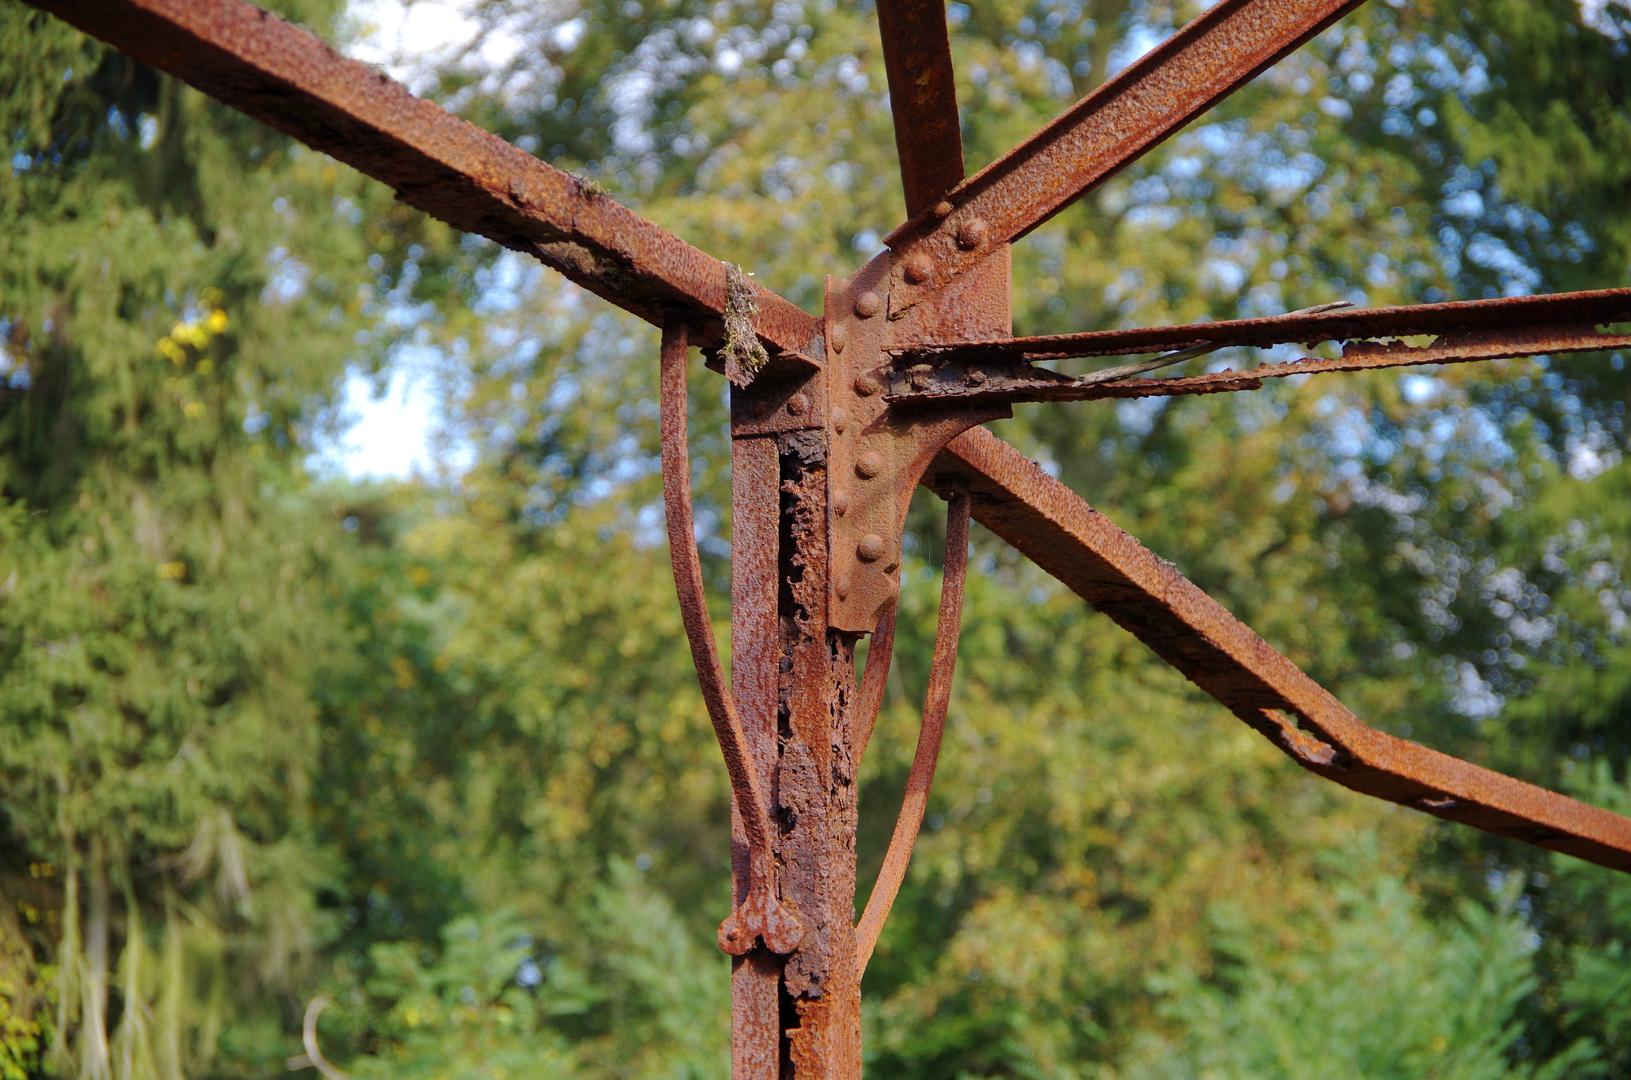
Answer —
(798, 404)
(838, 337)
(840, 586)
(869, 465)
(870, 549)
(840, 420)
(942, 209)
(866, 385)
(868, 304)
(972, 233)
(840, 502)
(917, 269)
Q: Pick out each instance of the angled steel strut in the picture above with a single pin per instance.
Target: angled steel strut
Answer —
(885, 390)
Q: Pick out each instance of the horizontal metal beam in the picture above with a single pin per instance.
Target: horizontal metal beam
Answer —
(1216, 54)
(1596, 307)
(289, 79)
(1001, 372)
(1111, 570)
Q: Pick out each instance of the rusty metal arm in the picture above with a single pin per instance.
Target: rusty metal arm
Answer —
(1111, 570)
(910, 820)
(289, 79)
(761, 915)
(923, 98)
(1216, 54)
(1002, 371)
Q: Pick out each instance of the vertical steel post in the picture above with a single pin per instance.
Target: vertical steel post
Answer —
(797, 1016)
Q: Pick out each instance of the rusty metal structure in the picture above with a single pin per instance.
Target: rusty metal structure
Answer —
(837, 418)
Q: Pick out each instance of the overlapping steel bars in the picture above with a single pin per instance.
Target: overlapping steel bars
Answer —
(794, 743)
(1189, 73)
(986, 372)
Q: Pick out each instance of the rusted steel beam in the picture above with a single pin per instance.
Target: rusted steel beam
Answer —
(1001, 371)
(1108, 568)
(979, 384)
(923, 98)
(1214, 55)
(757, 1048)
(289, 79)
(1598, 307)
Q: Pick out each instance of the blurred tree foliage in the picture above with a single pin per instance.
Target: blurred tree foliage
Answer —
(435, 750)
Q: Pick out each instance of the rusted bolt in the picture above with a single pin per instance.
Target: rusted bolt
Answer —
(840, 420)
(975, 378)
(840, 502)
(870, 549)
(866, 385)
(798, 404)
(972, 233)
(869, 465)
(840, 586)
(917, 269)
(921, 375)
(838, 337)
(942, 209)
(868, 304)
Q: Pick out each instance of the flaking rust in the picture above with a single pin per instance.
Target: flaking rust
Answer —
(817, 799)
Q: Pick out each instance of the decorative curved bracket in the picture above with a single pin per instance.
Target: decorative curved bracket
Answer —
(761, 915)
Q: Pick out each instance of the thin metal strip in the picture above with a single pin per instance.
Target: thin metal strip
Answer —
(1216, 54)
(916, 801)
(284, 76)
(1112, 571)
(922, 97)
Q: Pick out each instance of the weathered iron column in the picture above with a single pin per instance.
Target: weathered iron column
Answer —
(796, 1015)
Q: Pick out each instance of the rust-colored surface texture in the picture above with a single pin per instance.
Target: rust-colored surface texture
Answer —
(887, 389)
